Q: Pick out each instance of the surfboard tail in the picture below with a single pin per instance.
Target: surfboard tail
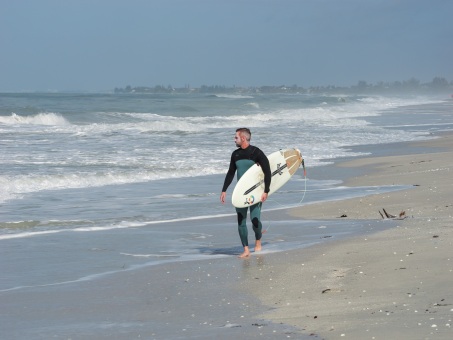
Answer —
(293, 159)
(302, 162)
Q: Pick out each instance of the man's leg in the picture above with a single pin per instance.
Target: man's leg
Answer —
(242, 228)
(255, 215)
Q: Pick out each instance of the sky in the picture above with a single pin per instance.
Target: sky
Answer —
(97, 45)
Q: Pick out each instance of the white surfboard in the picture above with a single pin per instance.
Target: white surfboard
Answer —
(250, 187)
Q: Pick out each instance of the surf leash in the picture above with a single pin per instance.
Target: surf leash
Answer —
(305, 180)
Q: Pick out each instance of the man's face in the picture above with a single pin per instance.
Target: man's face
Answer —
(238, 140)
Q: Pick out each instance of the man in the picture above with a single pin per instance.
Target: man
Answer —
(241, 160)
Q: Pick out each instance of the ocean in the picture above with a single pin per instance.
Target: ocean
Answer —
(95, 185)
(99, 161)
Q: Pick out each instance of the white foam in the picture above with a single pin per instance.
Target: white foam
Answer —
(339, 116)
(121, 225)
(150, 255)
(253, 104)
(15, 187)
(185, 258)
(29, 234)
(233, 96)
(313, 128)
(51, 119)
(165, 196)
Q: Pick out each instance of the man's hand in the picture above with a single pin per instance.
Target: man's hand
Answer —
(264, 196)
(222, 197)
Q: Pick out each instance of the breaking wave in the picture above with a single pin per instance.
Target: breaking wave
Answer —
(50, 119)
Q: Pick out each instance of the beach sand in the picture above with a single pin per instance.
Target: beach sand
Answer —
(392, 284)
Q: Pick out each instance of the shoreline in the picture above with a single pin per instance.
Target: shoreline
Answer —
(393, 283)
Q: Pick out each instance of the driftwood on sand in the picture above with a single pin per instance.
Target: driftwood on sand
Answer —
(401, 216)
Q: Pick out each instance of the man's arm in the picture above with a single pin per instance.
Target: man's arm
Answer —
(230, 175)
(228, 179)
(265, 166)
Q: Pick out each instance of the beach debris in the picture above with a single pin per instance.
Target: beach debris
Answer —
(442, 304)
(231, 325)
(325, 291)
(387, 214)
(259, 324)
(401, 215)
(343, 216)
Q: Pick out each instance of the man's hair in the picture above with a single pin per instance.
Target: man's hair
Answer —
(245, 132)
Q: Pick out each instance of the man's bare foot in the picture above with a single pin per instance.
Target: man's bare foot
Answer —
(257, 245)
(245, 254)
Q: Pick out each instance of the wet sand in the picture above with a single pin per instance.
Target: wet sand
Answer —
(393, 284)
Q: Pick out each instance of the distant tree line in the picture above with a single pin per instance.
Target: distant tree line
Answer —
(413, 85)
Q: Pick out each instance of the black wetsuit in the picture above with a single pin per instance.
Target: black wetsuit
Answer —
(241, 161)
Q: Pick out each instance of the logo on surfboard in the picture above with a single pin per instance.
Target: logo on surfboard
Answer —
(249, 200)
